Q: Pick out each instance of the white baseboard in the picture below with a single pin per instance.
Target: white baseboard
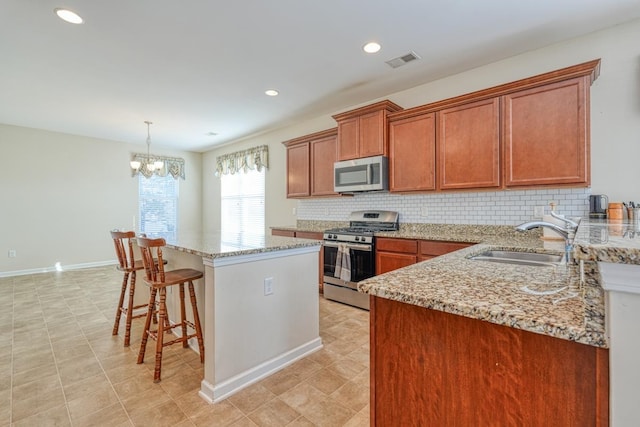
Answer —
(213, 393)
(54, 268)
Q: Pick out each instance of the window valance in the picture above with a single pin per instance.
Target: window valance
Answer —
(252, 158)
(173, 166)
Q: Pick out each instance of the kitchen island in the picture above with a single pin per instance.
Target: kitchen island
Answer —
(259, 304)
(456, 341)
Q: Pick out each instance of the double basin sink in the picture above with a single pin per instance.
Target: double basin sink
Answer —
(532, 259)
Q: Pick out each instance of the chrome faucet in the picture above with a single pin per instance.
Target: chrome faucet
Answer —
(568, 233)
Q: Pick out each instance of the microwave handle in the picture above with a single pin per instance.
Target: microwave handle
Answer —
(369, 173)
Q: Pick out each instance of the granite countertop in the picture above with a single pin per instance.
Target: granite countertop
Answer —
(545, 300)
(551, 301)
(608, 241)
(218, 245)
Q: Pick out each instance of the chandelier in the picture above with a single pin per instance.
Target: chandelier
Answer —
(151, 164)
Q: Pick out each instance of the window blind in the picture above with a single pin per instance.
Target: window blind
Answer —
(242, 209)
(158, 206)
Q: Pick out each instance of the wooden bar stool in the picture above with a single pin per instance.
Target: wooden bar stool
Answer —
(158, 280)
(123, 241)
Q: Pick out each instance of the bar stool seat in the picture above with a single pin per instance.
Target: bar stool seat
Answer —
(123, 242)
(158, 281)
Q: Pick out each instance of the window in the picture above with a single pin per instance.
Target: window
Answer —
(242, 209)
(158, 206)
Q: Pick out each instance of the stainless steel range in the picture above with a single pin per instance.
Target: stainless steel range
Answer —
(349, 255)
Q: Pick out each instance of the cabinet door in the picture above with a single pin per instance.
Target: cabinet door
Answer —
(348, 139)
(372, 134)
(298, 170)
(412, 154)
(546, 140)
(323, 156)
(388, 261)
(469, 145)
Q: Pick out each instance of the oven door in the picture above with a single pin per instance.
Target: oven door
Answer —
(362, 258)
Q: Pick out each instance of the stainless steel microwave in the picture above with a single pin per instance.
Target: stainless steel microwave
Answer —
(357, 175)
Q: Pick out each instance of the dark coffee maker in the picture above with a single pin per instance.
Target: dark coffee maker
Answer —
(598, 206)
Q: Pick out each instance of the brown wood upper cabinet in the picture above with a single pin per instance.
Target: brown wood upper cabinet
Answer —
(468, 144)
(528, 133)
(546, 136)
(310, 162)
(412, 147)
(363, 132)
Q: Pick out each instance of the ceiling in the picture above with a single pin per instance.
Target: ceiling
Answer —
(202, 66)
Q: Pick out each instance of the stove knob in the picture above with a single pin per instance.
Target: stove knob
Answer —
(363, 240)
(357, 238)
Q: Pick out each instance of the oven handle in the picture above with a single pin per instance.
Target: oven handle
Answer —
(366, 248)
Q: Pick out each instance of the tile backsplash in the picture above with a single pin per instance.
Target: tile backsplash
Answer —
(491, 207)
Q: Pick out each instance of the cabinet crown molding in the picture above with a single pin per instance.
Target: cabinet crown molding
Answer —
(313, 136)
(590, 69)
(387, 105)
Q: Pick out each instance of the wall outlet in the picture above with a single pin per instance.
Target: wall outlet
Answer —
(268, 286)
(424, 211)
(538, 211)
(12, 253)
(326, 211)
(294, 211)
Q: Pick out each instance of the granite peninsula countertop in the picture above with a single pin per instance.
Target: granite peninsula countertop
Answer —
(608, 241)
(218, 245)
(545, 300)
(550, 301)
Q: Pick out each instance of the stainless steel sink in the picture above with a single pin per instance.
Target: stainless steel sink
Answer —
(519, 258)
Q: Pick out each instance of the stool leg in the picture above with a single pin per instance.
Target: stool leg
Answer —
(196, 321)
(147, 325)
(183, 318)
(116, 324)
(160, 338)
(132, 291)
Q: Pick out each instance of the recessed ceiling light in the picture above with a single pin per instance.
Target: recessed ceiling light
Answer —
(371, 47)
(68, 15)
(271, 92)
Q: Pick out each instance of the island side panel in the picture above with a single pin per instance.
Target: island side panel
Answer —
(433, 368)
(257, 334)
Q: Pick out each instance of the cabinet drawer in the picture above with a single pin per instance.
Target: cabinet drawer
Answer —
(436, 248)
(407, 246)
(309, 235)
(285, 233)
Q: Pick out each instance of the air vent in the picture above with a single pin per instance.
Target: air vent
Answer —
(402, 60)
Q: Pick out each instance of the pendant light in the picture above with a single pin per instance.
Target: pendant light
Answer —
(151, 165)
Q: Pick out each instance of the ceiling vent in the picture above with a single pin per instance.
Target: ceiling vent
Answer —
(402, 60)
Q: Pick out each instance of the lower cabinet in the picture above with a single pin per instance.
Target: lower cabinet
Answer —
(313, 235)
(430, 368)
(393, 253)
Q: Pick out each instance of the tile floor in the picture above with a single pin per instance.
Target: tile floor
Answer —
(60, 366)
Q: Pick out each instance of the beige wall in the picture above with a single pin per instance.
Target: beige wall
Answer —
(615, 115)
(61, 194)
